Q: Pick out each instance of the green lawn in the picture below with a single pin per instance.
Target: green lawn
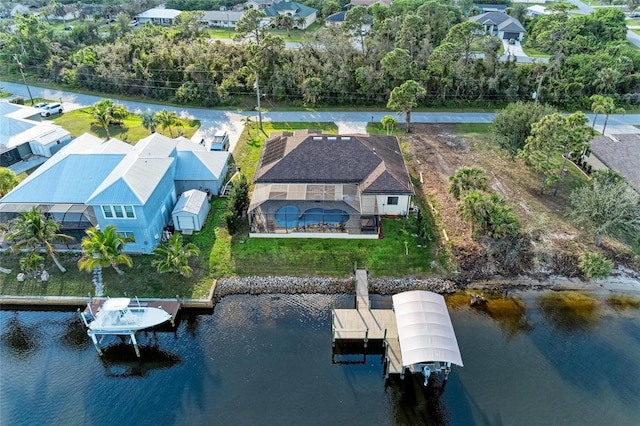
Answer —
(633, 22)
(535, 53)
(80, 121)
(398, 254)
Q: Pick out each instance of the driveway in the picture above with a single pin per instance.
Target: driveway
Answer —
(515, 50)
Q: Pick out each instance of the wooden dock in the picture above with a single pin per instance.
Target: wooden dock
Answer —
(364, 324)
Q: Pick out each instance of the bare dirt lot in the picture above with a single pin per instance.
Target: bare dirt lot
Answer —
(436, 151)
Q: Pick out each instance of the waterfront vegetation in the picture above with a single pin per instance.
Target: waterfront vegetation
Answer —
(569, 309)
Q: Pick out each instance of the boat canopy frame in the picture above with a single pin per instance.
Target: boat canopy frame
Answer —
(425, 330)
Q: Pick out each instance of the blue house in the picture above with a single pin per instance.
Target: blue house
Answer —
(92, 182)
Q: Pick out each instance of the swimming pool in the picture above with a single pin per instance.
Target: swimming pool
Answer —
(290, 216)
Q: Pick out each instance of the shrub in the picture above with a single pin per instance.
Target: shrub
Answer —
(595, 265)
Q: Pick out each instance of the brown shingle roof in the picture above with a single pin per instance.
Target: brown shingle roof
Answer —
(373, 161)
(622, 153)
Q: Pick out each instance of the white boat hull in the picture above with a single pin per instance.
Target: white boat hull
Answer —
(131, 319)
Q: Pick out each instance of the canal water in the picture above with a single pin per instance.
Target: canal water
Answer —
(267, 360)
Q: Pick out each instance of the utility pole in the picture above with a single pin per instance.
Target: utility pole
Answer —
(20, 66)
(258, 96)
(539, 91)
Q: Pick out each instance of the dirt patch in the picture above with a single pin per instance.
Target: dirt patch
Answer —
(436, 151)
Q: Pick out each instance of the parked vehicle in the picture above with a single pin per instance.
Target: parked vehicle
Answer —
(68, 27)
(50, 109)
(40, 105)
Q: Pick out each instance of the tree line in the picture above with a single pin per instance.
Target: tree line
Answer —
(426, 41)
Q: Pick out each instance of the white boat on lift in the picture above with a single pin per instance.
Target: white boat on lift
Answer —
(118, 316)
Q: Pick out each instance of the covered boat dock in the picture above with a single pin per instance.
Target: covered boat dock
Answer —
(417, 334)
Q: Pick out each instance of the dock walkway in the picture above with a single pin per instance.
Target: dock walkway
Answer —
(364, 324)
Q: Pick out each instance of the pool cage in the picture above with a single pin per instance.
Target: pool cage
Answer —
(309, 208)
(74, 219)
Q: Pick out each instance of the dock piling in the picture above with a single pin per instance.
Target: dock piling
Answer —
(135, 344)
(95, 343)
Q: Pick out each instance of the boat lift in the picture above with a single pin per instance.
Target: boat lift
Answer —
(120, 317)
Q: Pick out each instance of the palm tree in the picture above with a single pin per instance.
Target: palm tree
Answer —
(607, 79)
(149, 120)
(101, 112)
(167, 119)
(604, 105)
(32, 230)
(248, 123)
(389, 123)
(173, 256)
(104, 248)
(105, 111)
(471, 208)
(468, 179)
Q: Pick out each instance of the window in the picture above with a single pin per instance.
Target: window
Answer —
(128, 211)
(129, 235)
(119, 212)
(392, 201)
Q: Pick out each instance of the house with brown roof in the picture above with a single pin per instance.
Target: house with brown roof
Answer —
(617, 152)
(314, 185)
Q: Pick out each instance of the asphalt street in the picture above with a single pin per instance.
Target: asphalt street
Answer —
(347, 121)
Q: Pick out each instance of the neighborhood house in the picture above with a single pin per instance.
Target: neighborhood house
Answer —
(95, 183)
(500, 24)
(313, 185)
(23, 134)
(617, 152)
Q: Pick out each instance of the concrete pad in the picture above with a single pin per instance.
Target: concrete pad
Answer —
(351, 127)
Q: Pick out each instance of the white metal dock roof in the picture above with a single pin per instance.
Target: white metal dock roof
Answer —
(424, 329)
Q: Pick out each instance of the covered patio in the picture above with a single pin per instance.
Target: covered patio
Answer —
(310, 209)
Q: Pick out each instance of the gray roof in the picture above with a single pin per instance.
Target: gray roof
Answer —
(220, 15)
(501, 19)
(336, 17)
(190, 202)
(372, 161)
(511, 26)
(159, 13)
(296, 9)
(621, 153)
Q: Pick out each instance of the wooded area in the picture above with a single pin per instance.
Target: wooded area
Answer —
(426, 41)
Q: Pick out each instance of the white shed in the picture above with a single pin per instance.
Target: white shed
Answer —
(190, 211)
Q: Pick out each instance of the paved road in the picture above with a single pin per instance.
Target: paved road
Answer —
(633, 38)
(347, 121)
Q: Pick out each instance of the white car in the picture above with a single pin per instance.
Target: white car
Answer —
(40, 105)
(50, 109)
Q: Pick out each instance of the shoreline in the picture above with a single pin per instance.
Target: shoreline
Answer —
(621, 283)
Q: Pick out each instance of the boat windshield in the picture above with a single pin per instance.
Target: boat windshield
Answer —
(116, 304)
